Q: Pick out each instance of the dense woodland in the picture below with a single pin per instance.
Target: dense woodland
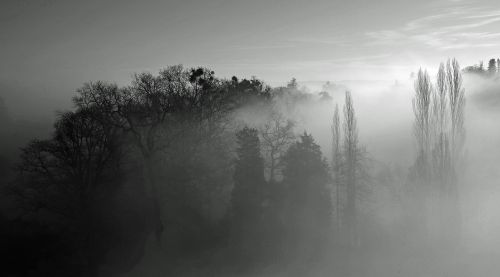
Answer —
(218, 177)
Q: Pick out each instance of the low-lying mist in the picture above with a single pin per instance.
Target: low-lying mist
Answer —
(187, 174)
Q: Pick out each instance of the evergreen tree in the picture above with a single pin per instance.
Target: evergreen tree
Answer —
(309, 203)
(248, 195)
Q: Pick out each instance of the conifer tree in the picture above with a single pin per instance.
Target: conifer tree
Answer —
(309, 202)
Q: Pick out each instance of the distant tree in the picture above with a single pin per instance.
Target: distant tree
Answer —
(308, 212)
(277, 135)
(328, 86)
(292, 84)
(498, 65)
(325, 96)
(492, 67)
(246, 92)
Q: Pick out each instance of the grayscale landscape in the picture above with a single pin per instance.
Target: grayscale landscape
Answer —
(250, 138)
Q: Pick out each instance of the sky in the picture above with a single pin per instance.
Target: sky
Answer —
(54, 46)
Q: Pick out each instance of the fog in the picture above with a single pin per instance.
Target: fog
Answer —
(193, 199)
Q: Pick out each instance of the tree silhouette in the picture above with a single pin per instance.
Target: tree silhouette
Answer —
(72, 178)
(245, 92)
(277, 135)
(308, 209)
(154, 111)
(249, 194)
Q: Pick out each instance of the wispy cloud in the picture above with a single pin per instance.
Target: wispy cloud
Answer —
(261, 47)
(335, 40)
(456, 27)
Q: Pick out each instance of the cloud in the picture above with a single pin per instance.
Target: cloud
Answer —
(261, 47)
(336, 40)
(458, 27)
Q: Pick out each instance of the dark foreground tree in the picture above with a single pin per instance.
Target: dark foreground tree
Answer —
(68, 185)
(308, 208)
(248, 195)
(153, 112)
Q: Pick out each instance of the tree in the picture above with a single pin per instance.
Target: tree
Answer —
(72, 178)
(440, 135)
(456, 94)
(244, 92)
(277, 135)
(153, 111)
(421, 109)
(337, 165)
(308, 213)
(492, 67)
(248, 175)
(80, 161)
(292, 84)
(248, 195)
(351, 156)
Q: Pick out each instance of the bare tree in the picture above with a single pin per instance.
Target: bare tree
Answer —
(337, 164)
(79, 164)
(421, 109)
(456, 94)
(152, 111)
(277, 135)
(351, 160)
(440, 137)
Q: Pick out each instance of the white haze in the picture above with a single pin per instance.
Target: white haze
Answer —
(385, 121)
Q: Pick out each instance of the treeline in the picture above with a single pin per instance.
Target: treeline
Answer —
(189, 163)
(492, 70)
(169, 157)
(439, 128)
